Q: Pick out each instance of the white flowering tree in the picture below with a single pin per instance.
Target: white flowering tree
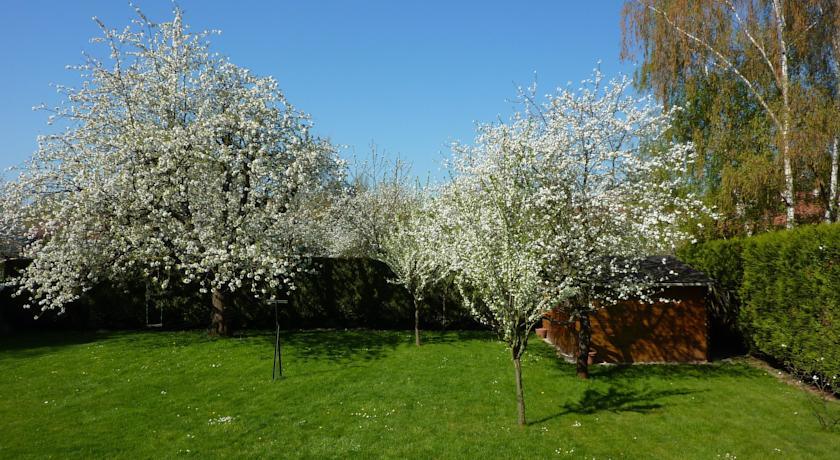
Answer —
(378, 192)
(612, 191)
(172, 160)
(384, 217)
(488, 239)
(557, 206)
(409, 250)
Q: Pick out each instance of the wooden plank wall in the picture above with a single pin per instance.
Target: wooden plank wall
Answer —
(636, 332)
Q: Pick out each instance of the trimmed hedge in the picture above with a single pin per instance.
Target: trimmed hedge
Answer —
(340, 293)
(787, 287)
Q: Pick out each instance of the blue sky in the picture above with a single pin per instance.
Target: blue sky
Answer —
(410, 76)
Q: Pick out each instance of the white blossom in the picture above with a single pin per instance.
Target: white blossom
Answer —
(172, 159)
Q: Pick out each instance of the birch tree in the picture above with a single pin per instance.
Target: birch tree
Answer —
(748, 40)
(173, 160)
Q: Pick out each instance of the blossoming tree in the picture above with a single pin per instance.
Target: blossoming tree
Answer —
(557, 206)
(409, 250)
(612, 191)
(488, 240)
(173, 161)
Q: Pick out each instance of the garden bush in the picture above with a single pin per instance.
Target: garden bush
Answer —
(786, 288)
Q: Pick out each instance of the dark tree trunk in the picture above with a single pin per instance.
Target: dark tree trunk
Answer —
(445, 294)
(520, 393)
(218, 321)
(584, 336)
(416, 323)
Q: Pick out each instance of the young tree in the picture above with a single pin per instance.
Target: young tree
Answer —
(386, 218)
(488, 239)
(611, 191)
(173, 160)
(377, 193)
(558, 206)
(409, 250)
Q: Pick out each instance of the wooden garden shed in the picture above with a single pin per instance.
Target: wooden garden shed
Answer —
(637, 332)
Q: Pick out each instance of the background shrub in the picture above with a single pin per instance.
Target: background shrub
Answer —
(339, 293)
(785, 287)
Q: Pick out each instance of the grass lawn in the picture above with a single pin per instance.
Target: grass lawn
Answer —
(374, 394)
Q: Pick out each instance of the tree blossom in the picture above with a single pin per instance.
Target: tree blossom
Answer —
(611, 192)
(488, 240)
(173, 161)
(557, 206)
(409, 250)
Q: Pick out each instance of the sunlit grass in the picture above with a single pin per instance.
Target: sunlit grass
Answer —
(374, 394)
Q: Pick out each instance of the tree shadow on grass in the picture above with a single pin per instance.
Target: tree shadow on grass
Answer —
(672, 371)
(617, 398)
(33, 344)
(357, 344)
(334, 346)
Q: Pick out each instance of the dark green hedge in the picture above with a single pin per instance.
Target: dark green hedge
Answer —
(787, 287)
(340, 293)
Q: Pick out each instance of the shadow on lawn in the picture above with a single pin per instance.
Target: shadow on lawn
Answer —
(334, 345)
(617, 398)
(30, 345)
(352, 345)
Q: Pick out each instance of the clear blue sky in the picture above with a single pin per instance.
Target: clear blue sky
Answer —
(409, 76)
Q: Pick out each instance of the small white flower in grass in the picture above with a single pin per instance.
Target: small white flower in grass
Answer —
(220, 420)
(163, 392)
(576, 424)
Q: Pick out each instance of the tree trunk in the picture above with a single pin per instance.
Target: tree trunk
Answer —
(218, 322)
(584, 336)
(832, 211)
(416, 323)
(445, 295)
(520, 393)
(788, 194)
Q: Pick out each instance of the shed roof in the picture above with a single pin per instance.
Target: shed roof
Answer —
(660, 270)
(672, 272)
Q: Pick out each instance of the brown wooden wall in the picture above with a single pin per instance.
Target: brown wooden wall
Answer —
(634, 332)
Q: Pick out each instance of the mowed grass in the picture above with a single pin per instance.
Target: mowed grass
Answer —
(369, 394)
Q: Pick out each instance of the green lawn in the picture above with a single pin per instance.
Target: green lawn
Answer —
(374, 394)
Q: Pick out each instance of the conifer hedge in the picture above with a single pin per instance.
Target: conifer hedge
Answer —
(786, 287)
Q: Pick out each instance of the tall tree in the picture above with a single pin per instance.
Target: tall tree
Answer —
(611, 193)
(558, 205)
(755, 45)
(174, 160)
(488, 242)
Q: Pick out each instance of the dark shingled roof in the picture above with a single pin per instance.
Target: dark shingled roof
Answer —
(10, 248)
(673, 271)
(661, 270)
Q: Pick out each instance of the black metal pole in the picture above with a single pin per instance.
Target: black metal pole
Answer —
(277, 363)
(277, 350)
